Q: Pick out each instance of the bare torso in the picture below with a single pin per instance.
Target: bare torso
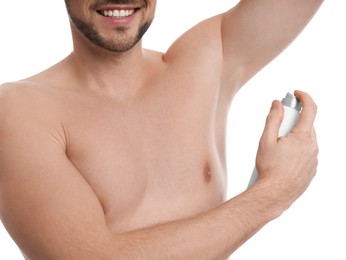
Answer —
(151, 157)
(104, 143)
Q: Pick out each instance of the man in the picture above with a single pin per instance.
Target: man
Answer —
(118, 152)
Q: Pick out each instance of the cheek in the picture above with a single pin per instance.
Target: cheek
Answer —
(88, 10)
(151, 8)
(149, 14)
(81, 9)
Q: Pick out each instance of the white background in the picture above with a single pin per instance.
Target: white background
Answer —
(35, 35)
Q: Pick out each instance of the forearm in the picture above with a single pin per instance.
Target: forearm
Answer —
(212, 235)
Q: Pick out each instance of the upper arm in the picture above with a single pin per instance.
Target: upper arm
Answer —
(256, 31)
(240, 42)
(46, 206)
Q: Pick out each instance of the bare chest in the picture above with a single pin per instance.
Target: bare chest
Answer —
(150, 161)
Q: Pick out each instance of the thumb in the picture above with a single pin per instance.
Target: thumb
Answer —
(273, 122)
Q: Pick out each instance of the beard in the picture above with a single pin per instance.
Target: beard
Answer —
(122, 42)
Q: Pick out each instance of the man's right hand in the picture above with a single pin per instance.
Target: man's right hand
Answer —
(288, 164)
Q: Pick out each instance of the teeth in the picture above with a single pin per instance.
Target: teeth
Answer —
(118, 13)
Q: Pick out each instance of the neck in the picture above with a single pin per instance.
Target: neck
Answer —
(101, 69)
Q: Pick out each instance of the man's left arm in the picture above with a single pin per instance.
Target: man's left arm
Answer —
(254, 32)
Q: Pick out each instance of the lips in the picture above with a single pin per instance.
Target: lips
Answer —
(120, 10)
(119, 14)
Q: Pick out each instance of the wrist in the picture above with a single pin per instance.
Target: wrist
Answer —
(270, 198)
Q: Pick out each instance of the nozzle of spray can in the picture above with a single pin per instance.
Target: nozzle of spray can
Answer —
(292, 109)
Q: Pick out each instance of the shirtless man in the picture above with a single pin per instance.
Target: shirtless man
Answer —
(118, 152)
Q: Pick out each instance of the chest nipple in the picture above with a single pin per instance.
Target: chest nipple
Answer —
(207, 173)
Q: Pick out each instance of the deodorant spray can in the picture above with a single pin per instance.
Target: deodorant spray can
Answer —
(292, 109)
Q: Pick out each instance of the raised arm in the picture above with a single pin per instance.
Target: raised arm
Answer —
(256, 31)
(52, 212)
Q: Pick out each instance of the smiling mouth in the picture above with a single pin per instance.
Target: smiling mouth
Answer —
(118, 13)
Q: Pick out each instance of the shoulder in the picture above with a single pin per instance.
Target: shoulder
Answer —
(26, 106)
(12, 96)
(33, 90)
(19, 96)
(15, 104)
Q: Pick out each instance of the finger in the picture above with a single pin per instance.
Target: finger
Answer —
(273, 122)
(308, 113)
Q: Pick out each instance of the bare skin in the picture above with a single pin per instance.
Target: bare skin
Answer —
(121, 155)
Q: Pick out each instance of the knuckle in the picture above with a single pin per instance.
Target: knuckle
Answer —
(314, 149)
(314, 107)
(304, 135)
(307, 143)
(263, 144)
